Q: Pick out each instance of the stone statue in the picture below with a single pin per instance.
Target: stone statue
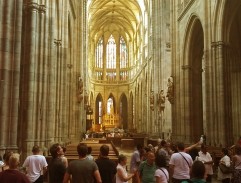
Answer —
(80, 91)
(161, 100)
(152, 100)
(170, 91)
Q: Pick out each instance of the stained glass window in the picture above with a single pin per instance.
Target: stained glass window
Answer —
(123, 53)
(100, 112)
(99, 54)
(111, 53)
(110, 107)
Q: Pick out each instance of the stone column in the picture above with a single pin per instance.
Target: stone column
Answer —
(15, 78)
(10, 39)
(176, 69)
(51, 68)
(4, 68)
(216, 96)
(42, 76)
(184, 124)
(156, 62)
(228, 117)
(29, 80)
(58, 44)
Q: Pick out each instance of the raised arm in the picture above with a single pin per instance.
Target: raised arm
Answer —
(187, 149)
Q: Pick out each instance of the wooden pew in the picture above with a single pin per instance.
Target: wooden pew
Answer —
(71, 150)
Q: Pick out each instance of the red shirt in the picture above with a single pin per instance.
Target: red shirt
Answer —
(13, 176)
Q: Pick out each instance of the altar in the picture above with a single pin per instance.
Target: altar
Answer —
(110, 121)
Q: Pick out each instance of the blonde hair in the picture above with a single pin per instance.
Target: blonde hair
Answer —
(14, 160)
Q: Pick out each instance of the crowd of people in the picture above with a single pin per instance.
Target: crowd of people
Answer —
(163, 163)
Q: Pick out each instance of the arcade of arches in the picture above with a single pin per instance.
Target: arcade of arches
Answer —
(169, 68)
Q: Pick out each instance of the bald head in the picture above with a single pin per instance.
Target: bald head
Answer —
(150, 157)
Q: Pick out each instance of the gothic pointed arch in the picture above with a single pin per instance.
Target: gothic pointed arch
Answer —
(124, 111)
(112, 103)
(193, 80)
(99, 109)
(231, 46)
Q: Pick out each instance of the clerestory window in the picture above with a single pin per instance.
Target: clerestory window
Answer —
(111, 60)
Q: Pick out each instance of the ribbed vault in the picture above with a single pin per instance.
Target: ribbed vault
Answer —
(113, 15)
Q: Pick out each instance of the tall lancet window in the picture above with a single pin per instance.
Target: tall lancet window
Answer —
(111, 53)
(123, 53)
(99, 54)
(110, 106)
(123, 60)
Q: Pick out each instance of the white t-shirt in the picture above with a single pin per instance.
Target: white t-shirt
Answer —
(1, 163)
(164, 176)
(34, 165)
(123, 171)
(181, 167)
(206, 158)
(226, 161)
(135, 158)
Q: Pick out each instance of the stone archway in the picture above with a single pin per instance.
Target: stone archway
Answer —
(196, 80)
(232, 70)
(193, 83)
(98, 109)
(124, 111)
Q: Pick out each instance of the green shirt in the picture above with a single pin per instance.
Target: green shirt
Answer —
(195, 181)
(147, 172)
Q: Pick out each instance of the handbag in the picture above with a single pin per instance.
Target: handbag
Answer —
(225, 169)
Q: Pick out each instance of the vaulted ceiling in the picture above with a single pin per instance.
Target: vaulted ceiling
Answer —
(122, 16)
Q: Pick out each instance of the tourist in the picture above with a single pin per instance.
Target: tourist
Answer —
(147, 169)
(89, 156)
(158, 144)
(107, 167)
(225, 178)
(207, 160)
(63, 157)
(135, 161)
(180, 164)
(237, 164)
(150, 146)
(122, 175)
(13, 175)
(6, 157)
(82, 170)
(165, 151)
(161, 173)
(57, 166)
(197, 173)
(35, 165)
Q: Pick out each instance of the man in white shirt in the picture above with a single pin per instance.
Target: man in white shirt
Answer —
(180, 164)
(135, 162)
(207, 160)
(36, 165)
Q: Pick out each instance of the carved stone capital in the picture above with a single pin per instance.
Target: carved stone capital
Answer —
(218, 44)
(35, 7)
(58, 42)
(186, 67)
(31, 7)
(42, 8)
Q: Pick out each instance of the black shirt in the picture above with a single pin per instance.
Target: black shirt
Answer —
(56, 171)
(107, 169)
